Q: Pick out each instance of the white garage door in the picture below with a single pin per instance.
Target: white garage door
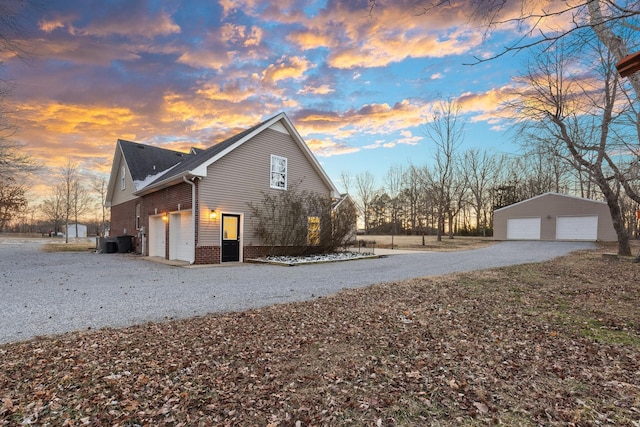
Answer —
(157, 237)
(181, 237)
(577, 228)
(523, 228)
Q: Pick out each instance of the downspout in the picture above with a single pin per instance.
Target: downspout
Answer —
(193, 217)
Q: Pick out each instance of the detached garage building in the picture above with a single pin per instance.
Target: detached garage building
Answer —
(553, 216)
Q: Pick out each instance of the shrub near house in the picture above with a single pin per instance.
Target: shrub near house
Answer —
(297, 222)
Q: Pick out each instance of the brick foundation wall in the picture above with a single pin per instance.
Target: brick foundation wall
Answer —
(213, 254)
(263, 251)
(208, 255)
(250, 252)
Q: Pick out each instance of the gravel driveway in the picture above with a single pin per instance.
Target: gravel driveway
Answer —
(51, 293)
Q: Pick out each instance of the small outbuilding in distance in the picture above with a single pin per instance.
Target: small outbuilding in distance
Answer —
(553, 216)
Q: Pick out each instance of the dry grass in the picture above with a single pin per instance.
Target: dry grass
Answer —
(80, 246)
(554, 343)
(430, 242)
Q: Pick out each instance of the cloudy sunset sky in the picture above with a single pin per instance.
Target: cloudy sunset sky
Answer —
(359, 87)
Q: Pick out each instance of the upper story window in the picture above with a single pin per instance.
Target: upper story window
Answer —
(123, 178)
(278, 172)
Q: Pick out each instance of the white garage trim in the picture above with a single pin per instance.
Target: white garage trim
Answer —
(523, 228)
(157, 237)
(577, 228)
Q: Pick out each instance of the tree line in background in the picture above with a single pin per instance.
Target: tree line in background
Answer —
(482, 182)
(72, 199)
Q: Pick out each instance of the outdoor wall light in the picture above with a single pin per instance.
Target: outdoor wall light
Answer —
(165, 217)
(213, 214)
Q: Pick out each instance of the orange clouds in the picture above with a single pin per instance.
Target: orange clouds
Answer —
(286, 68)
(54, 133)
(328, 148)
(380, 52)
(316, 90)
(374, 119)
(205, 59)
(241, 34)
(127, 24)
(311, 39)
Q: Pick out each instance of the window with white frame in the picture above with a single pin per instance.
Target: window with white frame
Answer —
(123, 178)
(278, 172)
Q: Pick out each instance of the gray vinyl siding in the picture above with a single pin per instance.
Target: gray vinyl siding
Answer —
(548, 207)
(241, 175)
(119, 195)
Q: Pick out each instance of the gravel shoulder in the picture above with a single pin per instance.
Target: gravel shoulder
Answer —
(53, 293)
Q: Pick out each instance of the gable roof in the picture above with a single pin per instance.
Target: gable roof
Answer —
(196, 165)
(550, 194)
(142, 162)
(146, 160)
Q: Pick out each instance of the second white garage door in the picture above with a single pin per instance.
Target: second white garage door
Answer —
(181, 236)
(577, 228)
(523, 228)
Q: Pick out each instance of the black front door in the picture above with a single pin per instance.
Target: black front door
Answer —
(230, 238)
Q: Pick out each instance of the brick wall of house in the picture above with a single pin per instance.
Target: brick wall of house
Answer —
(123, 218)
(263, 251)
(250, 252)
(212, 254)
(167, 200)
(207, 255)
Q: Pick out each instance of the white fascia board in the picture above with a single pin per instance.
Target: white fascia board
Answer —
(551, 193)
(117, 155)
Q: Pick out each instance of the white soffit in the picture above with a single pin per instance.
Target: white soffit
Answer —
(278, 126)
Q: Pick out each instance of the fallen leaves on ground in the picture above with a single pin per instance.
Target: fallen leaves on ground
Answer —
(556, 343)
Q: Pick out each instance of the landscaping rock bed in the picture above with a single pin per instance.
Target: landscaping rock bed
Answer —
(291, 261)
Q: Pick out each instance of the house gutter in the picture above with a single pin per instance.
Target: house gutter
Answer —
(193, 217)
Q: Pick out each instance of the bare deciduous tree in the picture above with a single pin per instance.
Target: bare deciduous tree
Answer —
(393, 183)
(579, 116)
(481, 170)
(446, 131)
(13, 201)
(365, 192)
(411, 192)
(53, 208)
(74, 196)
(99, 185)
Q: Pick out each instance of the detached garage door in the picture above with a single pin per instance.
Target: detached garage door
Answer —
(523, 228)
(577, 228)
